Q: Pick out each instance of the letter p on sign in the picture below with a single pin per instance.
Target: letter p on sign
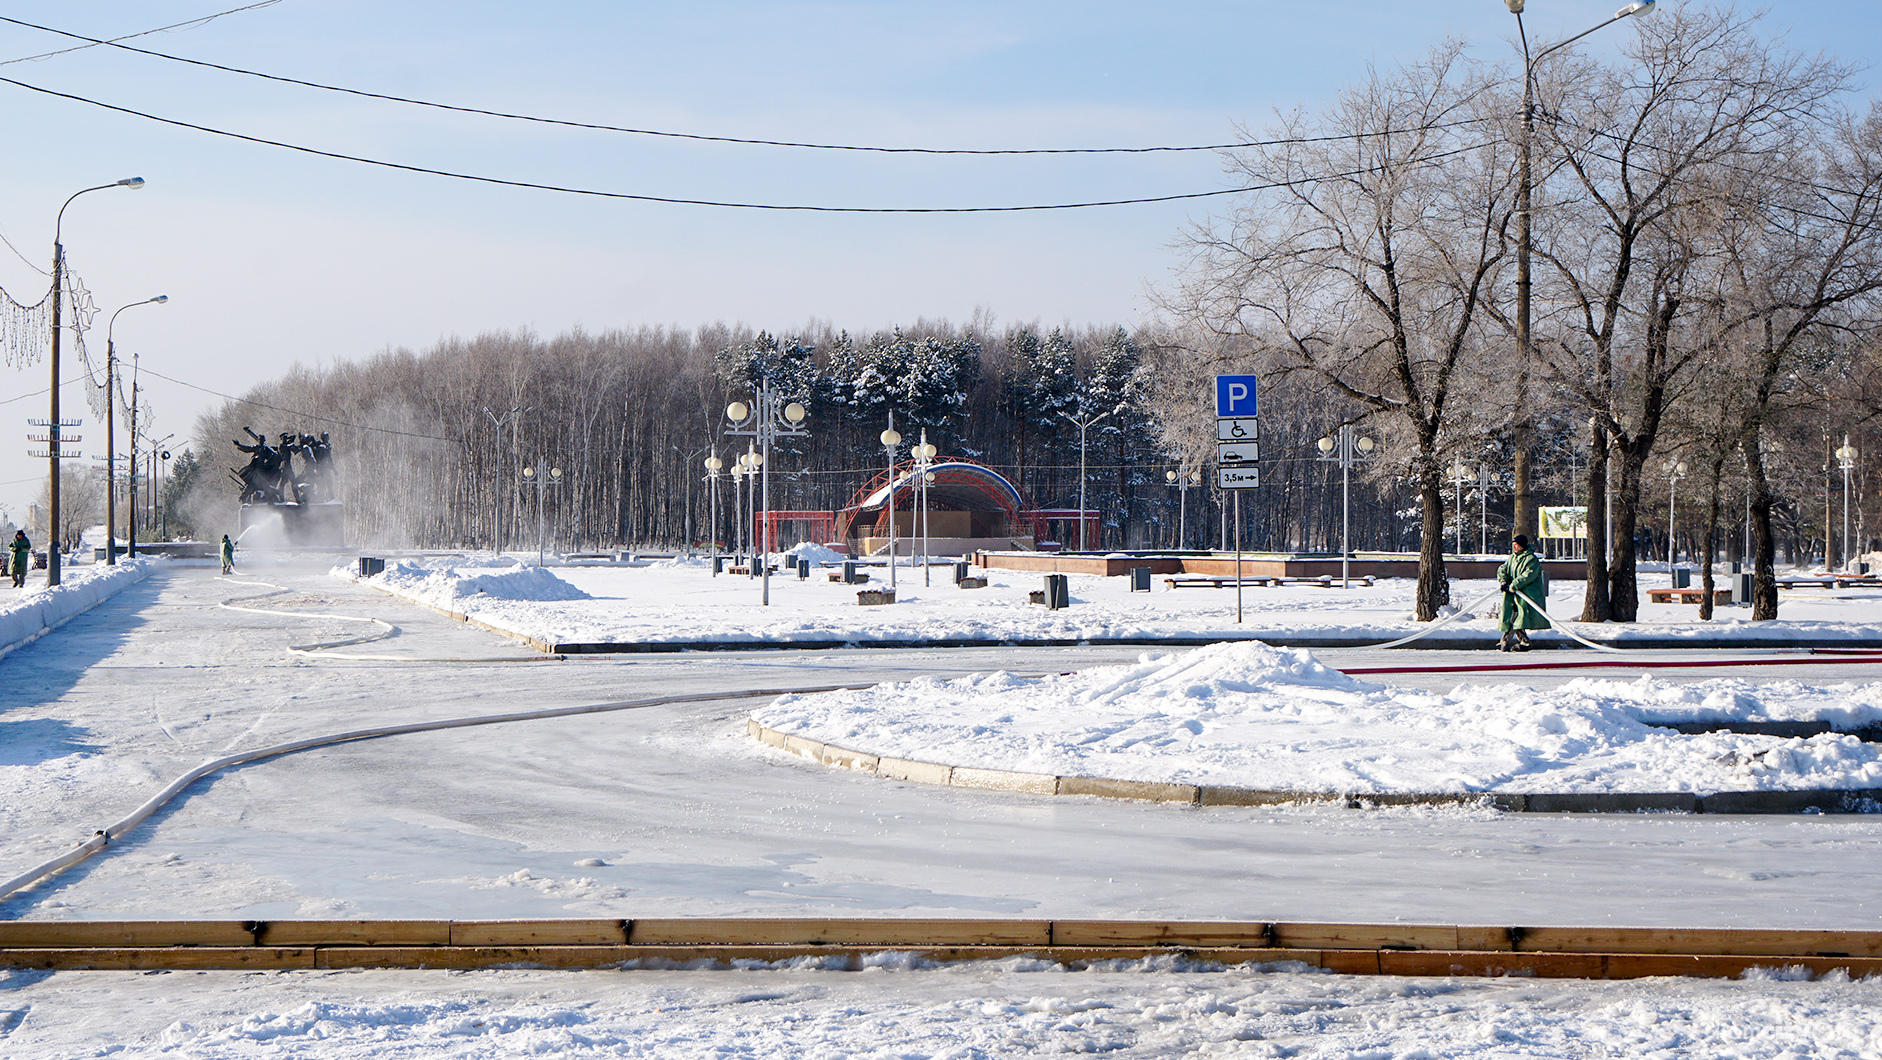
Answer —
(1235, 395)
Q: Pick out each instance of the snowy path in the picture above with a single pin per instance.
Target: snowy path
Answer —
(672, 811)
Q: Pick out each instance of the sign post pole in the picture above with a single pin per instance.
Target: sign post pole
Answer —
(1238, 557)
(1237, 453)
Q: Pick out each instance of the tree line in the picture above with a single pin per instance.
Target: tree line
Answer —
(1703, 262)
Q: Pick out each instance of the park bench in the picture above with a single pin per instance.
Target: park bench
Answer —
(1205, 581)
(1688, 596)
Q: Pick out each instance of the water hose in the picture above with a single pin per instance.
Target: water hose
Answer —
(104, 836)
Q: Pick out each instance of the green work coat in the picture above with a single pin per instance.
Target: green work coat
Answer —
(22, 554)
(1523, 572)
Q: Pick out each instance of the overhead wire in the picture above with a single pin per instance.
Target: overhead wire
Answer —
(317, 417)
(727, 204)
(749, 141)
(93, 42)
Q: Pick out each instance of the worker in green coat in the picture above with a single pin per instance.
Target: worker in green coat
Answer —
(22, 556)
(1521, 575)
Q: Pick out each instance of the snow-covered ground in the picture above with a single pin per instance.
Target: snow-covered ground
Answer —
(1252, 716)
(899, 1011)
(679, 601)
(673, 811)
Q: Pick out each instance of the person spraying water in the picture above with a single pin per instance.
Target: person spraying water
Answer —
(228, 554)
(1525, 588)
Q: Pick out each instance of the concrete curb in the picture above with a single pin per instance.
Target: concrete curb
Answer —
(540, 645)
(1829, 801)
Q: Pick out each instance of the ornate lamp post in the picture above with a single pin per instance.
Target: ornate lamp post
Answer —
(1459, 470)
(1345, 446)
(1083, 426)
(769, 417)
(924, 454)
(541, 477)
(499, 422)
(111, 434)
(713, 464)
(752, 459)
(1673, 475)
(52, 417)
(1846, 459)
(890, 439)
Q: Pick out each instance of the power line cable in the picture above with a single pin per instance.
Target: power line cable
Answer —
(113, 42)
(750, 141)
(678, 201)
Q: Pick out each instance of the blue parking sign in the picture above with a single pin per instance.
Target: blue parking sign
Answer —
(1235, 395)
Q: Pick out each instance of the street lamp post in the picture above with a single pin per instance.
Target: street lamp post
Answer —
(52, 417)
(890, 439)
(767, 418)
(541, 477)
(713, 464)
(1182, 478)
(924, 459)
(1345, 445)
(1083, 426)
(496, 536)
(753, 461)
(1458, 470)
(1846, 459)
(1673, 475)
(1525, 182)
(111, 431)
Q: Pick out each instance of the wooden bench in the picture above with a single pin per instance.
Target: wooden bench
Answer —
(1205, 581)
(1688, 596)
(1829, 583)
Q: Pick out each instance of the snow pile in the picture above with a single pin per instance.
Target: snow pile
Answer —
(26, 614)
(1249, 715)
(1844, 706)
(449, 588)
(818, 555)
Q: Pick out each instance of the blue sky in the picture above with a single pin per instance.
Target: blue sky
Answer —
(273, 258)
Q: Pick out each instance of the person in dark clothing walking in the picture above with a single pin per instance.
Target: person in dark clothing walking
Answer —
(228, 554)
(22, 557)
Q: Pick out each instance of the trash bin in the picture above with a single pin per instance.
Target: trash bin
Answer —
(1140, 579)
(371, 565)
(960, 571)
(1741, 587)
(1058, 592)
(803, 569)
(1682, 578)
(849, 572)
(718, 564)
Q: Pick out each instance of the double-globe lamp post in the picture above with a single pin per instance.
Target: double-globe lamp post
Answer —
(1525, 183)
(1182, 479)
(111, 450)
(1345, 446)
(924, 454)
(541, 477)
(767, 418)
(1673, 475)
(52, 416)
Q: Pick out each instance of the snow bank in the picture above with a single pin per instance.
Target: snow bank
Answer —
(818, 555)
(1250, 715)
(29, 613)
(449, 587)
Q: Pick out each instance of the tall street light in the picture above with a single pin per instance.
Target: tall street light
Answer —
(1346, 446)
(768, 418)
(1846, 459)
(1459, 470)
(499, 422)
(1083, 426)
(1525, 189)
(52, 417)
(111, 433)
(890, 439)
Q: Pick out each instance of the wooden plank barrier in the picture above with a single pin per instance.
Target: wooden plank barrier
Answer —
(1355, 949)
